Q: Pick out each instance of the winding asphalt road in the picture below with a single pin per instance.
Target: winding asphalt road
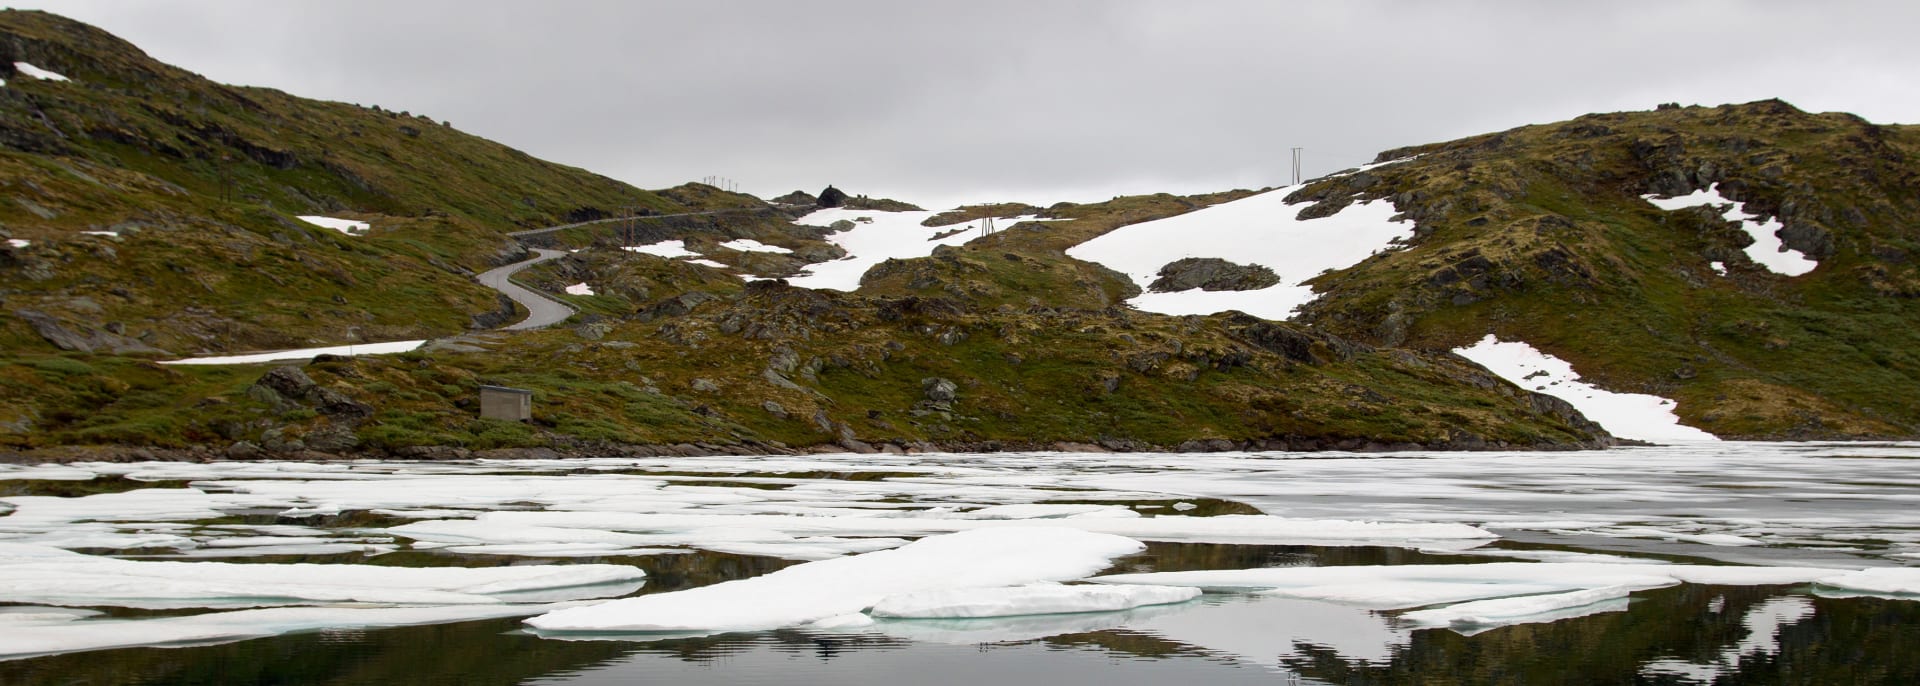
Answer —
(542, 311)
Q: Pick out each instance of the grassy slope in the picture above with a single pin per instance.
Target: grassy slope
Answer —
(779, 365)
(1539, 234)
(202, 181)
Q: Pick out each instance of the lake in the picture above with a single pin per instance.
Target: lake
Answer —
(1697, 563)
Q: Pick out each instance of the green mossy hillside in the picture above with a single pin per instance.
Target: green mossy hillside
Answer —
(1540, 234)
(775, 367)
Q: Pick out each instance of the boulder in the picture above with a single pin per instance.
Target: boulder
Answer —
(1212, 274)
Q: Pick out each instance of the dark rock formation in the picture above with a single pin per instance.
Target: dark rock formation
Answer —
(1211, 274)
(796, 198)
(831, 197)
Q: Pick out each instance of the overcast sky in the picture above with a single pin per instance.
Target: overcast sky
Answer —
(941, 102)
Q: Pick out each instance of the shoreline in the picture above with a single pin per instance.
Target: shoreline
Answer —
(121, 453)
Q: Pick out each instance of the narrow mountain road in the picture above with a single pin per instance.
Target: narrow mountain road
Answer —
(542, 311)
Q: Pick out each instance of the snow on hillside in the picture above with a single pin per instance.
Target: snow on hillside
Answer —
(38, 73)
(346, 226)
(750, 245)
(667, 249)
(580, 289)
(1627, 415)
(305, 353)
(1262, 229)
(877, 237)
(1766, 250)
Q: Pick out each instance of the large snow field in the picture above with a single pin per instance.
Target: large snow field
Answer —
(1262, 229)
(1766, 249)
(880, 236)
(1627, 415)
(945, 547)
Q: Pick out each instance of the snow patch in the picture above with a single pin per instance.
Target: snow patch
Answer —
(1627, 415)
(1718, 267)
(1263, 229)
(708, 263)
(580, 289)
(1766, 250)
(668, 249)
(38, 73)
(347, 226)
(19, 242)
(831, 588)
(750, 245)
(305, 353)
(877, 237)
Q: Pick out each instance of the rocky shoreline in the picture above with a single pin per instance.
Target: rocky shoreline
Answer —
(247, 452)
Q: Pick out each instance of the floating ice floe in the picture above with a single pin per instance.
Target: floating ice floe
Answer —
(52, 634)
(1627, 415)
(346, 226)
(1225, 528)
(1766, 249)
(580, 289)
(1882, 581)
(50, 576)
(1037, 599)
(1390, 587)
(38, 73)
(829, 588)
(877, 237)
(995, 629)
(305, 353)
(1261, 229)
(750, 245)
(1524, 609)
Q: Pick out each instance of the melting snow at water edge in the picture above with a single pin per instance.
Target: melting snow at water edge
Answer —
(962, 548)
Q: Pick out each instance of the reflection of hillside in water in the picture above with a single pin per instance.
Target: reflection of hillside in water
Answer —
(1219, 639)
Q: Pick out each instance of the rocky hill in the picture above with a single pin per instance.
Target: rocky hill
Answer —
(153, 214)
(1776, 300)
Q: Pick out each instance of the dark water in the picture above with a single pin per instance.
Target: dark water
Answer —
(1223, 639)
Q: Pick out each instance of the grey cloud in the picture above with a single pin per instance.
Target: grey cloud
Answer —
(1038, 101)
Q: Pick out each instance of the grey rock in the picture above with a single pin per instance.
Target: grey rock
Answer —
(705, 386)
(1211, 274)
(289, 381)
(939, 390)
